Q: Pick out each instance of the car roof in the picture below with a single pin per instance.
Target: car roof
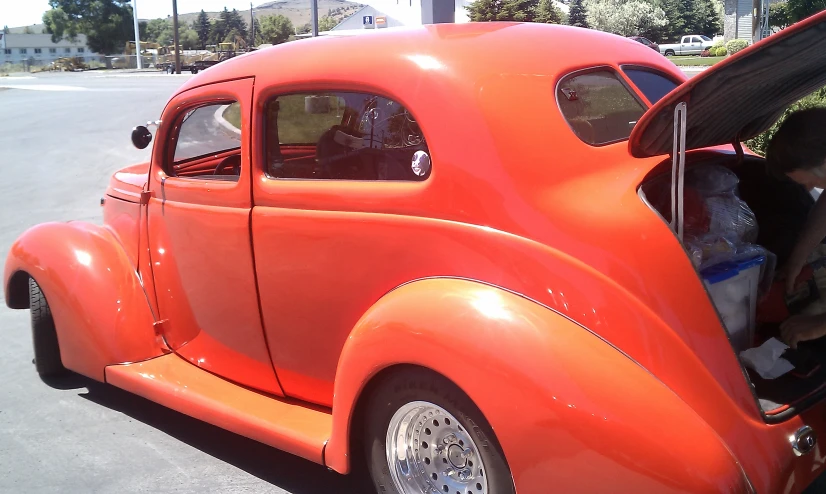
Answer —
(467, 49)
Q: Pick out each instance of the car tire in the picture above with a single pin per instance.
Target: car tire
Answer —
(194, 71)
(44, 336)
(417, 405)
(669, 53)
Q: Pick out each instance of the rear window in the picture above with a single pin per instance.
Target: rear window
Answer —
(598, 106)
(650, 83)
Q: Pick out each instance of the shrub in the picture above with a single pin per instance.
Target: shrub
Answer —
(721, 51)
(719, 43)
(705, 53)
(760, 143)
(735, 45)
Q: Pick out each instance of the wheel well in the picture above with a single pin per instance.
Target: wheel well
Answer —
(356, 434)
(17, 292)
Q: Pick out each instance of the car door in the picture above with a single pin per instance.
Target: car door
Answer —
(339, 172)
(199, 234)
(696, 45)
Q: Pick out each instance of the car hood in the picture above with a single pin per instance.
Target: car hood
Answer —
(742, 96)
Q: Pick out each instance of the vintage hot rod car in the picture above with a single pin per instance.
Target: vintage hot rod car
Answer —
(427, 251)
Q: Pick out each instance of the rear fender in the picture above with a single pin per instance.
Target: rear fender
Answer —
(566, 407)
(100, 309)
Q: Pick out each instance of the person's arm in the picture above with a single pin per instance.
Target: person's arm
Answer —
(811, 236)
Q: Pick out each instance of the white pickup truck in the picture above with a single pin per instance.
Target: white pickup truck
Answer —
(693, 44)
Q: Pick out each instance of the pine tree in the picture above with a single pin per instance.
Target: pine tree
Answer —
(201, 26)
(548, 12)
(576, 14)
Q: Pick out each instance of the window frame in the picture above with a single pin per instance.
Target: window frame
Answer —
(263, 131)
(171, 144)
(23, 51)
(599, 68)
(52, 50)
(80, 49)
(38, 51)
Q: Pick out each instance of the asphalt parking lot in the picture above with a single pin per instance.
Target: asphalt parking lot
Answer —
(61, 138)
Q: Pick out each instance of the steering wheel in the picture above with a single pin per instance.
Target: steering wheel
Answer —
(234, 161)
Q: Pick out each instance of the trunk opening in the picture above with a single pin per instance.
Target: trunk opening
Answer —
(780, 209)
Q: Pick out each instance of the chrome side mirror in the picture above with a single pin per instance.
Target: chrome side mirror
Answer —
(141, 137)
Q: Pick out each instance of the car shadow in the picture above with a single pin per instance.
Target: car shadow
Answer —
(286, 471)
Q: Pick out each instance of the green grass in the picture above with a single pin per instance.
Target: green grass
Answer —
(695, 61)
(296, 126)
(233, 115)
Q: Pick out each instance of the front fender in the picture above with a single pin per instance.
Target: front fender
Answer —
(100, 310)
(569, 410)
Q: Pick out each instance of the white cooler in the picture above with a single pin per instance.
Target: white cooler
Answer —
(733, 288)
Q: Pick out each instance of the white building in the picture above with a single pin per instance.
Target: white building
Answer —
(379, 14)
(38, 49)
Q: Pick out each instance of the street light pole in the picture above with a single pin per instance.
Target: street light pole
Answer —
(175, 35)
(137, 33)
(314, 16)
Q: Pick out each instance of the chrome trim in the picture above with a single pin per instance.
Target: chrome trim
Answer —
(803, 441)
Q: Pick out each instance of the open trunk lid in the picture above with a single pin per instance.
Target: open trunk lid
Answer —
(742, 96)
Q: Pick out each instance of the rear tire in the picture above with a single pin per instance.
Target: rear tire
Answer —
(44, 336)
(415, 407)
(669, 53)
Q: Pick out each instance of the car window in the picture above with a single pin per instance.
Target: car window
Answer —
(208, 130)
(343, 136)
(695, 39)
(705, 38)
(598, 106)
(653, 84)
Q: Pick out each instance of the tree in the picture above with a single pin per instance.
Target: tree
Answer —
(326, 23)
(625, 17)
(801, 9)
(107, 24)
(779, 15)
(201, 26)
(276, 29)
(503, 10)
(577, 15)
(548, 12)
(188, 38)
(6, 29)
(233, 20)
(304, 28)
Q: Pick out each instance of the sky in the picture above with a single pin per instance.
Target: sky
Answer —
(15, 13)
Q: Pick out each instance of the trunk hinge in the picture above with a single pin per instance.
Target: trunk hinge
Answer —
(678, 169)
(145, 196)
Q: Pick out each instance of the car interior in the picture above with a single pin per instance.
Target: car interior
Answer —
(351, 136)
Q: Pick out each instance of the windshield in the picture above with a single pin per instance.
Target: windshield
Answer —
(705, 38)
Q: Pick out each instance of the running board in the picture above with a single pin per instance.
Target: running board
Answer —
(171, 381)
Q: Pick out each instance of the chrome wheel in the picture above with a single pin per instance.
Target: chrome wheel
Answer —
(429, 452)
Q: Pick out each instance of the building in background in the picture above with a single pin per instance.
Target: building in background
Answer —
(38, 49)
(747, 19)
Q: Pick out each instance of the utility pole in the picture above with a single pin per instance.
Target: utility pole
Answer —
(175, 35)
(252, 28)
(137, 33)
(314, 16)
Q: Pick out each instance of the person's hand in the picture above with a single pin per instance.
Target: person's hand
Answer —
(802, 328)
(789, 273)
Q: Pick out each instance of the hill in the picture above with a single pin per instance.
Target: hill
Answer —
(297, 11)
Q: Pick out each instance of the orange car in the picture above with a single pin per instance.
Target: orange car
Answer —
(429, 251)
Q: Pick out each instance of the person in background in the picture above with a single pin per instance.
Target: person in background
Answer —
(798, 151)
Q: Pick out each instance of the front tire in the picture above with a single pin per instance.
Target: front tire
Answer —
(44, 336)
(423, 434)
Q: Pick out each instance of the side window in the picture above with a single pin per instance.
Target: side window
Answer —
(695, 39)
(598, 106)
(653, 84)
(209, 143)
(343, 136)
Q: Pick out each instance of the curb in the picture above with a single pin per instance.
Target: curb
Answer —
(219, 117)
